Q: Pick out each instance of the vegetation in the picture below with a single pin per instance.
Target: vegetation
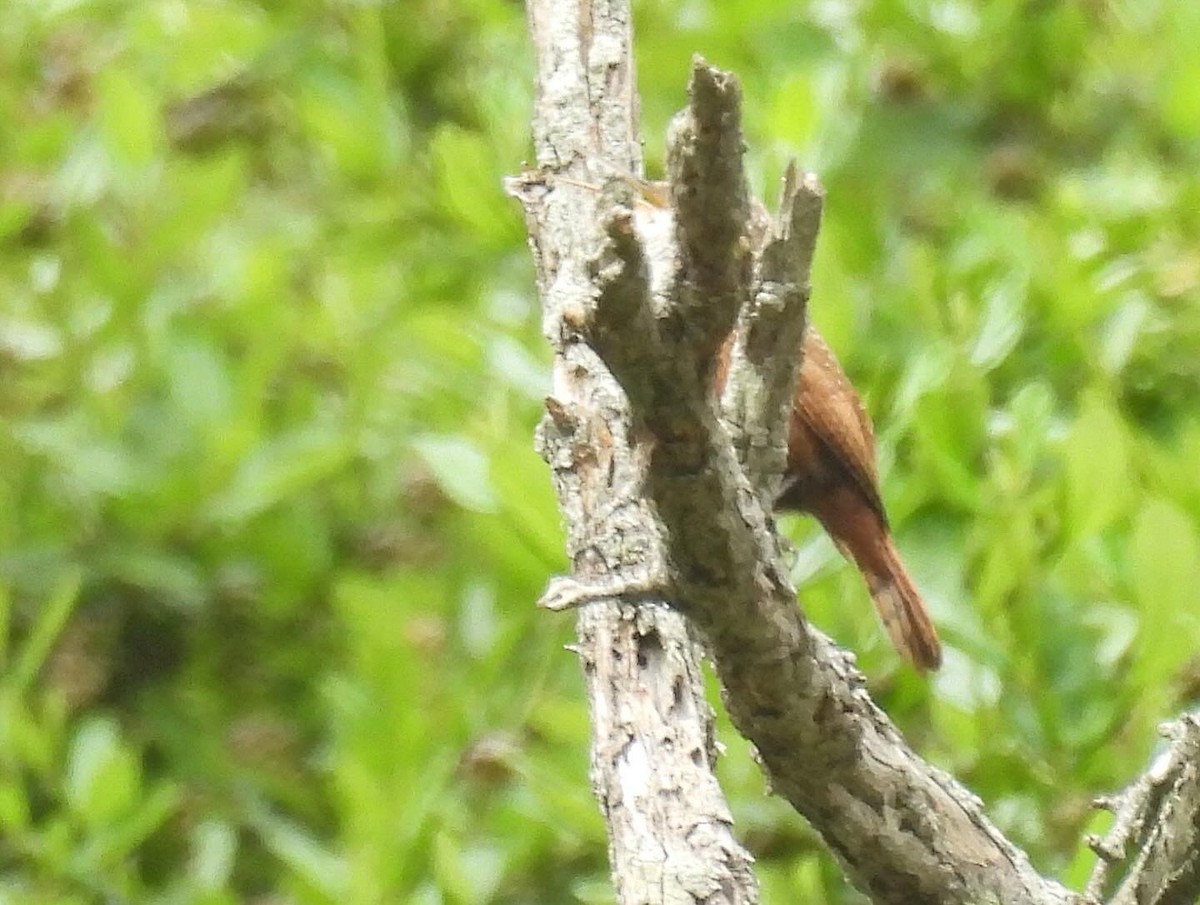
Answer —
(271, 525)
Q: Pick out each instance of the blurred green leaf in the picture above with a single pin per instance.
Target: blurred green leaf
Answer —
(201, 385)
(214, 850)
(29, 340)
(170, 578)
(967, 686)
(321, 868)
(1121, 332)
(128, 116)
(1165, 567)
(14, 808)
(1097, 467)
(280, 470)
(45, 632)
(102, 774)
(88, 466)
(460, 469)
(467, 176)
(1003, 321)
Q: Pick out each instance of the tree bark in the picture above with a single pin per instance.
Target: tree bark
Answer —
(1152, 851)
(670, 830)
(666, 494)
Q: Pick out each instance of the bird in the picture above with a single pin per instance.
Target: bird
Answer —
(831, 474)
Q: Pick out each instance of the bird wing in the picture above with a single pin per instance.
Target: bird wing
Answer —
(831, 408)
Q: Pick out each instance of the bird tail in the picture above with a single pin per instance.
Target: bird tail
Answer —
(903, 612)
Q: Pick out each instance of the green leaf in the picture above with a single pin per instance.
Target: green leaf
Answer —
(968, 685)
(92, 465)
(14, 808)
(1003, 323)
(1097, 467)
(129, 117)
(214, 852)
(201, 388)
(1164, 559)
(460, 469)
(131, 830)
(467, 176)
(1120, 333)
(29, 340)
(169, 577)
(280, 470)
(46, 629)
(103, 776)
(320, 868)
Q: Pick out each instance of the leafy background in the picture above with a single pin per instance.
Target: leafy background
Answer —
(270, 522)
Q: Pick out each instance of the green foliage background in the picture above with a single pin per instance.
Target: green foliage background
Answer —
(270, 522)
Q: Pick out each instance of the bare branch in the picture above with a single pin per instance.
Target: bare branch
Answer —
(1155, 840)
(711, 204)
(904, 831)
(670, 835)
(764, 363)
(667, 508)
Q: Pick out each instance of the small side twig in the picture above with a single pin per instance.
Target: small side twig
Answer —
(1152, 850)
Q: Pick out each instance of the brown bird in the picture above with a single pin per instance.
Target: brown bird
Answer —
(831, 474)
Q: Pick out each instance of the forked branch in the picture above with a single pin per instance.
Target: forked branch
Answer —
(666, 493)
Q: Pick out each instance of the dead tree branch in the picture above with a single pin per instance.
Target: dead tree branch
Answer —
(1153, 848)
(666, 494)
(670, 830)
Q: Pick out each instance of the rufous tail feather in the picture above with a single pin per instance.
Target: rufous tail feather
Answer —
(904, 615)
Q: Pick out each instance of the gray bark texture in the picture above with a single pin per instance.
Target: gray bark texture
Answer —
(666, 494)
(1151, 856)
